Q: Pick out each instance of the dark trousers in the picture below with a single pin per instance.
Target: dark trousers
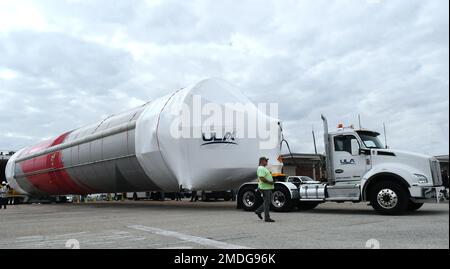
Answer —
(265, 207)
(194, 197)
(3, 202)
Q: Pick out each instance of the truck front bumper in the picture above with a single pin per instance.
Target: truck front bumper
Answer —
(430, 195)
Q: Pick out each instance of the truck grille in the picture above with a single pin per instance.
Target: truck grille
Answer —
(436, 172)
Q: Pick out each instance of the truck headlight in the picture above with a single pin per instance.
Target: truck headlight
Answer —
(421, 178)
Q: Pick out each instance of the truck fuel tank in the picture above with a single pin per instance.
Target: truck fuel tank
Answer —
(312, 191)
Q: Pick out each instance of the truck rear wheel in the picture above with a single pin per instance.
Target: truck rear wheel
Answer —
(389, 198)
(305, 206)
(249, 199)
(412, 206)
(281, 200)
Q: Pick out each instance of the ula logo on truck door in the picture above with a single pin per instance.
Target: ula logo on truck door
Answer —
(228, 138)
(348, 162)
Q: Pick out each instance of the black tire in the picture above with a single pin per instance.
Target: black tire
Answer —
(412, 206)
(305, 206)
(205, 197)
(281, 200)
(249, 199)
(445, 182)
(389, 198)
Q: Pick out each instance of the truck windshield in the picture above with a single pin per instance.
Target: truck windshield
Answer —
(371, 140)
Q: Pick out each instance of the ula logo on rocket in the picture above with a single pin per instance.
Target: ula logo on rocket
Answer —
(228, 138)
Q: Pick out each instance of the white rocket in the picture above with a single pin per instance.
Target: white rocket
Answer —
(186, 139)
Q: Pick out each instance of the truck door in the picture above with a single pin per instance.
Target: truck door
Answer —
(349, 164)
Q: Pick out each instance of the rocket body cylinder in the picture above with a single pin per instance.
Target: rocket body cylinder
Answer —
(140, 150)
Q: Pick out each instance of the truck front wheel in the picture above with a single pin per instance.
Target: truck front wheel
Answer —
(389, 198)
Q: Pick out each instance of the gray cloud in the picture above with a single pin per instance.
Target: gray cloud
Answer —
(65, 61)
(385, 60)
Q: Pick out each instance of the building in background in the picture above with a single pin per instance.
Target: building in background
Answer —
(304, 164)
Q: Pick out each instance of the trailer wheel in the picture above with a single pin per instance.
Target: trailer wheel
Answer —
(305, 206)
(412, 206)
(249, 199)
(281, 200)
(205, 197)
(389, 198)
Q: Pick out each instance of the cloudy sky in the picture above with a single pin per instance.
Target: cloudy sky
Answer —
(64, 64)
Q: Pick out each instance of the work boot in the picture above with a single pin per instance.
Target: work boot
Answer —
(259, 215)
(269, 220)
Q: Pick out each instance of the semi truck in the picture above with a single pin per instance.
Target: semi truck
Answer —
(359, 168)
(137, 151)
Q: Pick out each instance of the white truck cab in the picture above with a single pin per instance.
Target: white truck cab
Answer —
(361, 169)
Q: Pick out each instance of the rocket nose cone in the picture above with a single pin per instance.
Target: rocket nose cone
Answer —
(220, 140)
(10, 174)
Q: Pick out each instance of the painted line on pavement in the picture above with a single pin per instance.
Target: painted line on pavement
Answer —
(189, 238)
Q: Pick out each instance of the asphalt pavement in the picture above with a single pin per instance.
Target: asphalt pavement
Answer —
(185, 225)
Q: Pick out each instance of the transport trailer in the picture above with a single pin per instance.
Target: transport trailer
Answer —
(156, 196)
(152, 149)
(359, 168)
(139, 195)
(216, 195)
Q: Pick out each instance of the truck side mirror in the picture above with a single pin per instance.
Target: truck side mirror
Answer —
(355, 147)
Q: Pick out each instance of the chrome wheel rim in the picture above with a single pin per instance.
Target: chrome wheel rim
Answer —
(249, 199)
(387, 198)
(278, 199)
